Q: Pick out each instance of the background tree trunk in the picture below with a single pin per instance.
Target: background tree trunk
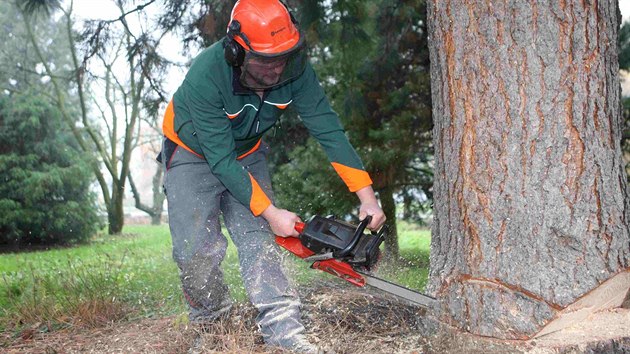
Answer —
(158, 197)
(531, 206)
(116, 212)
(155, 210)
(389, 208)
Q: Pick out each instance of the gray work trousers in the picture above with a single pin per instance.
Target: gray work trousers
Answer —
(195, 199)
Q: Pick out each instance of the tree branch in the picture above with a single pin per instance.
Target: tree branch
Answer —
(103, 115)
(136, 197)
(121, 18)
(30, 71)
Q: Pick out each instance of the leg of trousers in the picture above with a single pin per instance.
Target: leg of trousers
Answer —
(195, 199)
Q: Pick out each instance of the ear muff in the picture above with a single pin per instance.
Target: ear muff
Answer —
(232, 51)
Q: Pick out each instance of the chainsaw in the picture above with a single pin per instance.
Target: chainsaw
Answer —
(345, 251)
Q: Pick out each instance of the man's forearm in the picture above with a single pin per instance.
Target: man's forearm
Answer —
(366, 195)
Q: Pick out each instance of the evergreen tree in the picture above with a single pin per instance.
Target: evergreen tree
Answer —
(45, 195)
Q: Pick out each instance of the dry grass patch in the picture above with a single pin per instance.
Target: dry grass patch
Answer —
(164, 335)
(361, 320)
(234, 333)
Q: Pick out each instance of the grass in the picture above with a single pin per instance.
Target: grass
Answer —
(133, 275)
(413, 271)
(132, 272)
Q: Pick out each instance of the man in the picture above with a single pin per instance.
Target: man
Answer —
(215, 164)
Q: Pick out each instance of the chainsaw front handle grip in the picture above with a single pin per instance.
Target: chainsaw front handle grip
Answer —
(299, 227)
(357, 235)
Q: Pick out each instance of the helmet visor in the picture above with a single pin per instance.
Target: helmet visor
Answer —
(262, 71)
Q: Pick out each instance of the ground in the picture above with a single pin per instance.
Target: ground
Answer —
(339, 318)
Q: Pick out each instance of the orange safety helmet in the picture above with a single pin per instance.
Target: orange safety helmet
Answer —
(263, 41)
(269, 26)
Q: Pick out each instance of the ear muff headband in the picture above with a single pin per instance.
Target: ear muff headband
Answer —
(232, 51)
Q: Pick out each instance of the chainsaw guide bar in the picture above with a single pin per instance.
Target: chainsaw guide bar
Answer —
(415, 297)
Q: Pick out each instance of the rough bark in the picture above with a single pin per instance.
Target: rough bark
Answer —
(531, 204)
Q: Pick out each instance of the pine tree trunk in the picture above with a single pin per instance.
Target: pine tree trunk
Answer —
(531, 206)
(389, 208)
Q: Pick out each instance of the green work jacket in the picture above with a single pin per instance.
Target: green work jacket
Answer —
(214, 116)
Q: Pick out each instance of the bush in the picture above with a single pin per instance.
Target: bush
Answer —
(44, 194)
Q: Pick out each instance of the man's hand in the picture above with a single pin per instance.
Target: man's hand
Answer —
(373, 209)
(369, 206)
(282, 221)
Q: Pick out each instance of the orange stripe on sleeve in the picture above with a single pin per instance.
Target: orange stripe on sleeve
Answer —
(259, 201)
(354, 178)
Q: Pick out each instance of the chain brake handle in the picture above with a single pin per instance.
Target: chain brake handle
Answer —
(357, 235)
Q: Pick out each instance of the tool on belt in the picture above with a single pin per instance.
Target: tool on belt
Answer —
(344, 250)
